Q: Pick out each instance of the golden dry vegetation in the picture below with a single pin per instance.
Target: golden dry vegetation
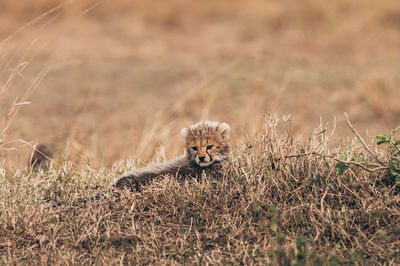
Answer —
(281, 202)
(111, 84)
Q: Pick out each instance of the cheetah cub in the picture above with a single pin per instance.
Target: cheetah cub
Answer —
(207, 150)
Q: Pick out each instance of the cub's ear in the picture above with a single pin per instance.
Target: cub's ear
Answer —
(224, 129)
(184, 132)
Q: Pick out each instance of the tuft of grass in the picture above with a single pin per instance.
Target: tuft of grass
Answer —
(269, 208)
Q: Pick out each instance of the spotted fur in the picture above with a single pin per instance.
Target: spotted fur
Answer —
(207, 150)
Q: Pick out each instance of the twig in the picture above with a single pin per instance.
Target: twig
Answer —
(322, 199)
(298, 155)
(340, 161)
(362, 141)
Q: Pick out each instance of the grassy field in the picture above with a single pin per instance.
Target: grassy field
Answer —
(111, 84)
(283, 201)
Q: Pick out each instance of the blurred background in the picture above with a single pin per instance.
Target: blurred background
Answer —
(109, 80)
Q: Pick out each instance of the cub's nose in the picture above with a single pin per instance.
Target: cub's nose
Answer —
(202, 158)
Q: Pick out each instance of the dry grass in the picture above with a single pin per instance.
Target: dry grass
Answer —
(13, 69)
(266, 209)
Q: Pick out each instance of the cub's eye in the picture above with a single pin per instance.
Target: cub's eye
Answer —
(194, 148)
(209, 147)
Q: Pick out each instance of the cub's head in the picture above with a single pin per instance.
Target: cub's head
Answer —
(207, 142)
